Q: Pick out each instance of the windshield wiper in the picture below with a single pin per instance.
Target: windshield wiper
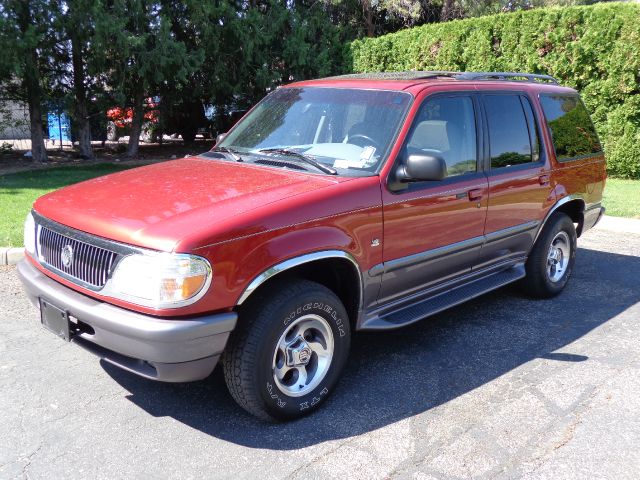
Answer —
(230, 151)
(301, 156)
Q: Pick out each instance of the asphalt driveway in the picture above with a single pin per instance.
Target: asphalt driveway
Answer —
(502, 387)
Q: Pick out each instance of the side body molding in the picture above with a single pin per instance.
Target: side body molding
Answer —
(296, 261)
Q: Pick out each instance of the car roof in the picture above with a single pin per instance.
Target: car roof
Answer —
(413, 81)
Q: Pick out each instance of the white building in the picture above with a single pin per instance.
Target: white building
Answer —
(14, 120)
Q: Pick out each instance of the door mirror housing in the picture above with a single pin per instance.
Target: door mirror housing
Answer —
(421, 167)
(220, 138)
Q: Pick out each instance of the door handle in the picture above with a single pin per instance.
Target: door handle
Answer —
(544, 180)
(475, 195)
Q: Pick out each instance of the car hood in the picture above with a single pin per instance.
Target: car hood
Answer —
(159, 205)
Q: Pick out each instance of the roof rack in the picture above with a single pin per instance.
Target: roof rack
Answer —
(422, 75)
(403, 75)
(527, 77)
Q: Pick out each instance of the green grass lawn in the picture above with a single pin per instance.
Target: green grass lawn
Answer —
(18, 191)
(622, 198)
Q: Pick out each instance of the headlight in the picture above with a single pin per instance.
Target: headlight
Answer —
(30, 234)
(163, 280)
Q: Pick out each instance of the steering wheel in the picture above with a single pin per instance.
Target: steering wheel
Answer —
(371, 141)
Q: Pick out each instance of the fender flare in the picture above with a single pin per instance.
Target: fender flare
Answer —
(301, 260)
(554, 208)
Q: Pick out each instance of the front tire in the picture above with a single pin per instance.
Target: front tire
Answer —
(288, 355)
(552, 258)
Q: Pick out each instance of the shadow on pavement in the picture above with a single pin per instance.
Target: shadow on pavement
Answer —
(395, 375)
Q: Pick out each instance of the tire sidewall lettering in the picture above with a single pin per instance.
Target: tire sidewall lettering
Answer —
(309, 307)
(273, 393)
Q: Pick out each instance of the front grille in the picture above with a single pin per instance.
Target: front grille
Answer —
(89, 264)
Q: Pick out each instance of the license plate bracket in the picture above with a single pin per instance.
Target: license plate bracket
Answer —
(55, 319)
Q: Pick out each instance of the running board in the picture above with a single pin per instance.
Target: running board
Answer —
(442, 301)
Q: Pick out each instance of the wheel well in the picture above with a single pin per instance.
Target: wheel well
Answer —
(337, 274)
(575, 210)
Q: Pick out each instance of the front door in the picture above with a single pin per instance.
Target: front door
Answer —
(433, 230)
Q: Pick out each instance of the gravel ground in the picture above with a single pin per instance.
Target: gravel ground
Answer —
(502, 387)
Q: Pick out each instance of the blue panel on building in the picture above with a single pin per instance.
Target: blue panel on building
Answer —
(59, 126)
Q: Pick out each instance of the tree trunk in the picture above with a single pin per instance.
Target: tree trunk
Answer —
(38, 150)
(367, 9)
(33, 92)
(447, 11)
(81, 114)
(34, 96)
(136, 124)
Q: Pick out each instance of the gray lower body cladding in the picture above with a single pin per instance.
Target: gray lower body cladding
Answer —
(160, 349)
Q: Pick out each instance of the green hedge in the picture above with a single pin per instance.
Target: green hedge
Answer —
(595, 49)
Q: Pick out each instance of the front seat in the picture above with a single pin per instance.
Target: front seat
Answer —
(441, 136)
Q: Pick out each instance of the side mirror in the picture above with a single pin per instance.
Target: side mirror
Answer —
(420, 167)
(220, 138)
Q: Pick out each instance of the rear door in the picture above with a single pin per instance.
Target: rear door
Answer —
(518, 170)
(433, 230)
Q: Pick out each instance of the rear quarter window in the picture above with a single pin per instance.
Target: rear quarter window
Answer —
(572, 130)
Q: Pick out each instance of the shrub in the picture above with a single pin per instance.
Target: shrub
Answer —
(595, 49)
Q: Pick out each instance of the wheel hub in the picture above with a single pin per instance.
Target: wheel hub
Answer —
(303, 355)
(298, 352)
(558, 257)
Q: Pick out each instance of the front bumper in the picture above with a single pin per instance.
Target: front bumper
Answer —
(155, 348)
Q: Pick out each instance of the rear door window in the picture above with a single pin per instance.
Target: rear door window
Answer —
(509, 137)
(571, 128)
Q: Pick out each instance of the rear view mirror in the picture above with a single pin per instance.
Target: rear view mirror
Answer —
(421, 167)
(220, 138)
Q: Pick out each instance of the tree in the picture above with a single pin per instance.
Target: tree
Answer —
(78, 27)
(381, 16)
(253, 47)
(141, 56)
(27, 73)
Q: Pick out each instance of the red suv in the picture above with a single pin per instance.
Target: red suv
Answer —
(362, 202)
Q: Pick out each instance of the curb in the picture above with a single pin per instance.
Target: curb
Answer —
(11, 255)
(619, 224)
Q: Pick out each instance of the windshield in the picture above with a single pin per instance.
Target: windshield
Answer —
(345, 129)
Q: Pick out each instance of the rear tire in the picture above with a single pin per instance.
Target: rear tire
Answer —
(552, 258)
(287, 356)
